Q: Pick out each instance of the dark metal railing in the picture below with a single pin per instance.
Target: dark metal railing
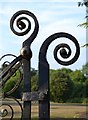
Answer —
(43, 93)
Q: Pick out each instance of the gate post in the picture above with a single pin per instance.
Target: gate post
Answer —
(24, 59)
(26, 54)
(44, 104)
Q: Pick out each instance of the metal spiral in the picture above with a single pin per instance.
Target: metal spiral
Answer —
(11, 73)
(4, 112)
(7, 110)
(61, 48)
(22, 26)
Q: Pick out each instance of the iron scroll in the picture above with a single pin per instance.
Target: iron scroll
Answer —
(47, 42)
(26, 53)
(44, 111)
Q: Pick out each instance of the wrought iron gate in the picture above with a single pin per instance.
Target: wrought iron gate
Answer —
(42, 95)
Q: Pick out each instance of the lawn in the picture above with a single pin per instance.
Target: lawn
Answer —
(66, 111)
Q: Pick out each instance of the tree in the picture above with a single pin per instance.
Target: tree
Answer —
(79, 79)
(85, 70)
(33, 72)
(85, 24)
(86, 88)
(34, 83)
(77, 76)
(13, 80)
(11, 83)
(61, 86)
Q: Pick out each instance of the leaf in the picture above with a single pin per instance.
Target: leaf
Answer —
(85, 25)
(86, 45)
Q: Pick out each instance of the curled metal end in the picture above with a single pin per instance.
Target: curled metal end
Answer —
(3, 113)
(6, 109)
(65, 52)
(10, 70)
(20, 24)
(64, 49)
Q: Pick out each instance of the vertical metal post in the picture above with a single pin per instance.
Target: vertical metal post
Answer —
(27, 88)
(44, 105)
(25, 53)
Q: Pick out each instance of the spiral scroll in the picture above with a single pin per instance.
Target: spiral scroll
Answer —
(65, 52)
(62, 47)
(22, 26)
(7, 110)
(11, 72)
(4, 112)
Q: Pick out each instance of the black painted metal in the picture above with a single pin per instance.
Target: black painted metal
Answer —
(24, 60)
(44, 67)
(4, 77)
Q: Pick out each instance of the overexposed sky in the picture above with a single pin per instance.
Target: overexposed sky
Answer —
(53, 16)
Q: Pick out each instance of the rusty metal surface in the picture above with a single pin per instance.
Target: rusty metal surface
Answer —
(34, 96)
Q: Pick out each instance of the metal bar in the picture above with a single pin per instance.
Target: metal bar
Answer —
(34, 96)
(10, 74)
(5, 72)
(44, 105)
(25, 52)
(27, 88)
(30, 96)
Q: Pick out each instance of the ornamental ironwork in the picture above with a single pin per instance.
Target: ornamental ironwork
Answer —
(22, 62)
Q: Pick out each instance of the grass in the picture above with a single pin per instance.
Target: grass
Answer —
(57, 111)
(68, 111)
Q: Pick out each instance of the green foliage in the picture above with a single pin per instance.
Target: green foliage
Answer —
(60, 86)
(77, 76)
(13, 80)
(86, 45)
(11, 83)
(85, 25)
(85, 101)
(79, 86)
(85, 70)
(79, 91)
(34, 83)
(65, 85)
(75, 100)
(33, 72)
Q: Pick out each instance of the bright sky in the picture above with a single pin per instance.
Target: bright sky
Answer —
(53, 16)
